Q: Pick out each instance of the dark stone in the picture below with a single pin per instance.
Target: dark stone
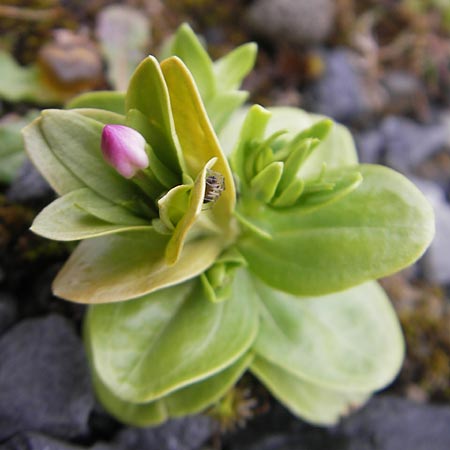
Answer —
(389, 423)
(408, 143)
(436, 261)
(44, 380)
(405, 92)
(29, 185)
(385, 423)
(8, 311)
(188, 433)
(299, 22)
(340, 92)
(369, 145)
(35, 441)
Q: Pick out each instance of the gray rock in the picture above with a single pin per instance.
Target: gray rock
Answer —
(369, 145)
(188, 433)
(44, 381)
(389, 423)
(29, 185)
(385, 423)
(408, 143)
(35, 441)
(299, 22)
(8, 311)
(405, 92)
(436, 261)
(340, 93)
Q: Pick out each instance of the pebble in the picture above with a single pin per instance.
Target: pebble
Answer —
(340, 93)
(29, 185)
(187, 433)
(299, 22)
(44, 380)
(407, 143)
(385, 423)
(436, 261)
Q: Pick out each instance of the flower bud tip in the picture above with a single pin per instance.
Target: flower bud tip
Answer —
(124, 149)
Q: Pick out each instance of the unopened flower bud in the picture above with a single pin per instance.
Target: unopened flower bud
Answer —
(124, 149)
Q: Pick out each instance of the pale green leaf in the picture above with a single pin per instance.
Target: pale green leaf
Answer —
(28, 84)
(337, 150)
(75, 142)
(379, 228)
(197, 138)
(113, 101)
(187, 47)
(221, 106)
(145, 349)
(232, 68)
(347, 340)
(309, 401)
(189, 400)
(54, 171)
(147, 93)
(81, 214)
(128, 265)
(189, 218)
(12, 154)
(102, 115)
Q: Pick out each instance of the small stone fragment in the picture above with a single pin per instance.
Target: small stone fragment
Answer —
(44, 380)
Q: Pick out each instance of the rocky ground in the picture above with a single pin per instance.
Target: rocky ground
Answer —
(381, 68)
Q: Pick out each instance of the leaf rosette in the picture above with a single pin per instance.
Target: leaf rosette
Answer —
(256, 252)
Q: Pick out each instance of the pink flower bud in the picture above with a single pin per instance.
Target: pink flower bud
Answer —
(124, 149)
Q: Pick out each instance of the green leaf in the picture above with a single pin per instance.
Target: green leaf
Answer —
(148, 94)
(145, 349)
(128, 265)
(12, 154)
(311, 402)
(187, 47)
(232, 68)
(101, 115)
(75, 142)
(82, 214)
(124, 34)
(265, 183)
(379, 228)
(108, 100)
(19, 83)
(54, 171)
(252, 130)
(189, 218)
(221, 106)
(197, 138)
(337, 150)
(349, 340)
(189, 400)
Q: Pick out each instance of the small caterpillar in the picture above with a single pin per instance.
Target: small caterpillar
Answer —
(214, 186)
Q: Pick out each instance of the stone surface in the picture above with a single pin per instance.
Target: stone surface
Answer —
(44, 380)
(188, 433)
(407, 143)
(389, 423)
(300, 22)
(436, 262)
(340, 92)
(36, 441)
(369, 145)
(385, 423)
(8, 311)
(29, 185)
